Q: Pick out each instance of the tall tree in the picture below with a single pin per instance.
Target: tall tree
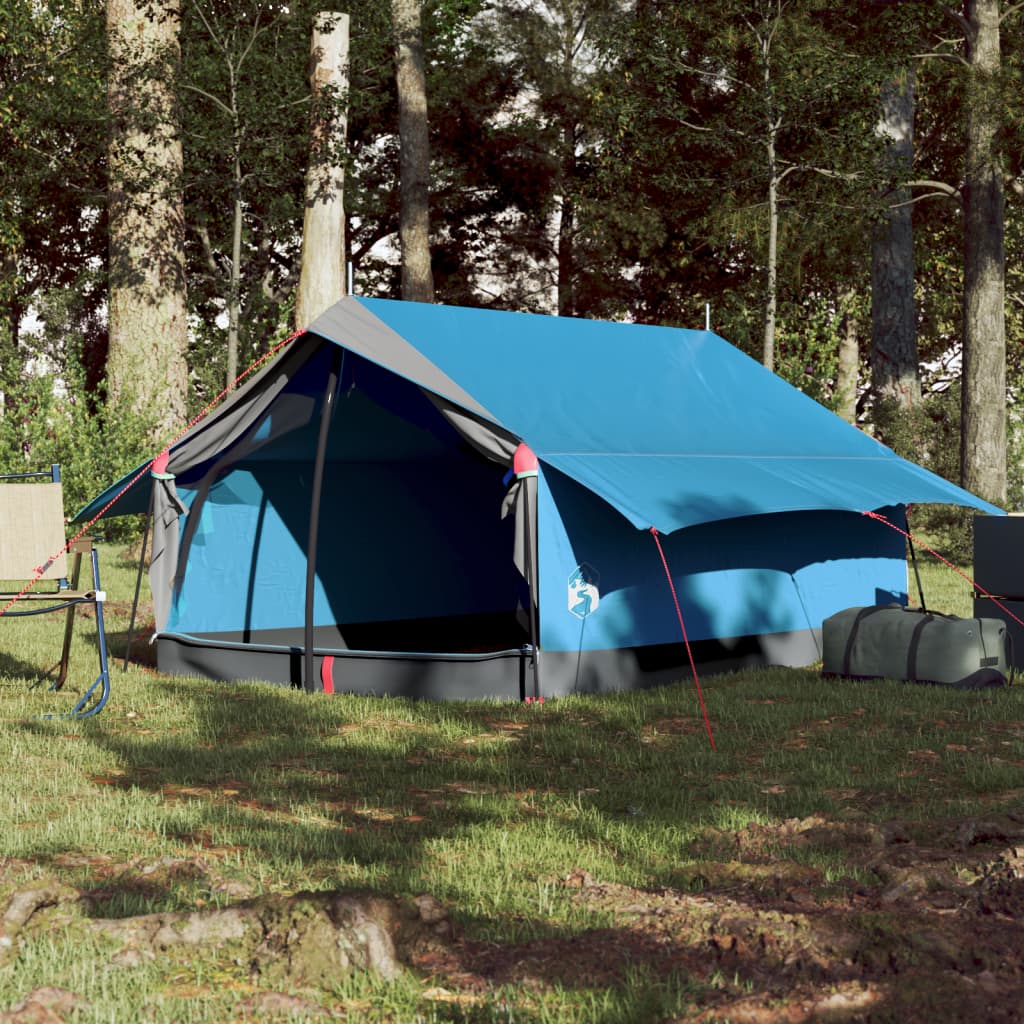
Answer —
(146, 364)
(848, 362)
(895, 373)
(765, 28)
(414, 140)
(983, 415)
(246, 131)
(769, 109)
(791, 83)
(322, 279)
(556, 51)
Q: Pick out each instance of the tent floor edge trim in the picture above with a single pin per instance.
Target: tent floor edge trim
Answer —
(496, 674)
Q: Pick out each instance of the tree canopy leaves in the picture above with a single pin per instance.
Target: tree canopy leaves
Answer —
(612, 158)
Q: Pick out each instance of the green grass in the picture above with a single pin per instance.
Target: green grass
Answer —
(485, 805)
(944, 590)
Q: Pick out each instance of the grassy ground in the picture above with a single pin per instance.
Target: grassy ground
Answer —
(185, 794)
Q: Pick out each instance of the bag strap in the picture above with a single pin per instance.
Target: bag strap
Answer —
(854, 629)
(915, 643)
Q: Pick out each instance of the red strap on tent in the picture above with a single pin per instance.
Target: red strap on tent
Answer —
(924, 547)
(158, 460)
(327, 673)
(686, 639)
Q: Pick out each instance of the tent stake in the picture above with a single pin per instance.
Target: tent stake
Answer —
(330, 391)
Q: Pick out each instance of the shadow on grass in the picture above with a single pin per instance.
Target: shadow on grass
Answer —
(285, 780)
(280, 779)
(346, 790)
(488, 806)
(16, 672)
(319, 782)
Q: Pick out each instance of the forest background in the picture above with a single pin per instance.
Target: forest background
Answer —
(837, 185)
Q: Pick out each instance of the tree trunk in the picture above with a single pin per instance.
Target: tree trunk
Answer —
(322, 281)
(417, 277)
(983, 416)
(772, 273)
(567, 130)
(147, 373)
(235, 273)
(310, 939)
(849, 363)
(895, 374)
(773, 123)
(567, 227)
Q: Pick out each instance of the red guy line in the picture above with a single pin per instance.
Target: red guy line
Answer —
(924, 547)
(686, 639)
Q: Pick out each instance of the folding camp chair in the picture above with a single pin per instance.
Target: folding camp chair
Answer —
(33, 548)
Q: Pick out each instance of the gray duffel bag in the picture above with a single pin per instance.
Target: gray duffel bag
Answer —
(892, 642)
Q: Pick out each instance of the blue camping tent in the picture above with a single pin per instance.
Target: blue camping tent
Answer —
(353, 518)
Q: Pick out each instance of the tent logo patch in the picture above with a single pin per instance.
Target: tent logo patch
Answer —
(584, 592)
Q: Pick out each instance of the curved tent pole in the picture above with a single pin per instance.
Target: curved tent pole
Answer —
(326, 411)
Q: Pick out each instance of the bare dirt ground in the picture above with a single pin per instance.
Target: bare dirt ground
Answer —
(935, 933)
(931, 931)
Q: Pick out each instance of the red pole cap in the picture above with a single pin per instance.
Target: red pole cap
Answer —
(524, 461)
(160, 462)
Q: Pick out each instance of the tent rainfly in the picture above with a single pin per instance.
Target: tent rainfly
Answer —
(441, 502)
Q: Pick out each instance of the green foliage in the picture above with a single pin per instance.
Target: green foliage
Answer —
(52, 136)
(807, 342)
(41, 426)
(492, 172)
(246, 124)
(245, 117)
(930, 436)
(52, 412)
(701, 107)
(1015, 442)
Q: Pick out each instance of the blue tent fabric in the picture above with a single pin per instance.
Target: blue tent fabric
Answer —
(420, 584)
(672, 427)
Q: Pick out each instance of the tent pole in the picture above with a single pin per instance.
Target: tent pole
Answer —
(917, 574)
(138, 585)
(531, 562)
(330, 392)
